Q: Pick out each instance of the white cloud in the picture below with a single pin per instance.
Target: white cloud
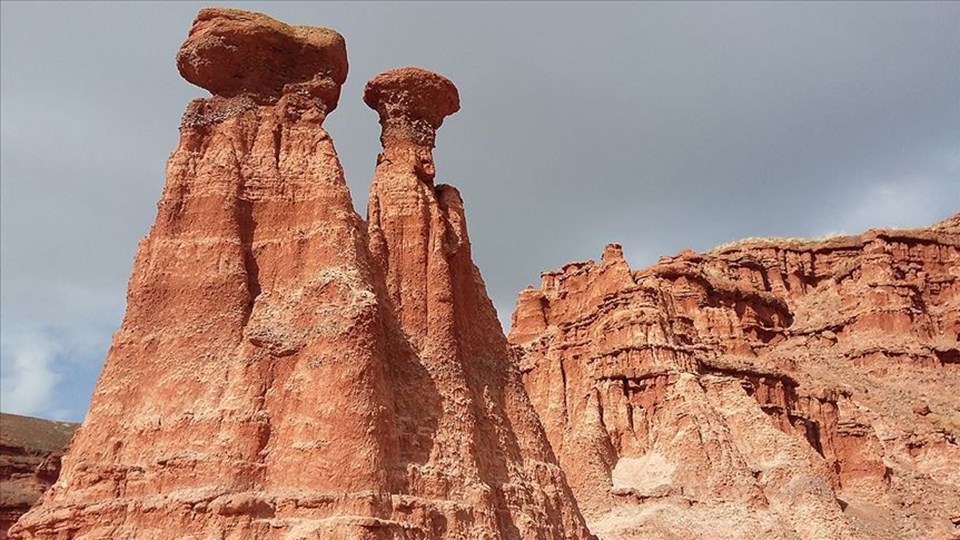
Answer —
(901, 203)
(27, 375)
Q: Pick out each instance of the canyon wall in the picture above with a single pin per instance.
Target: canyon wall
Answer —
(30, 452)
(771, 388)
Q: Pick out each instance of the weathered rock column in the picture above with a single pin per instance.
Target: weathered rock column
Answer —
(411, 236)
(243, 395)
(272, 378)
(482, 423)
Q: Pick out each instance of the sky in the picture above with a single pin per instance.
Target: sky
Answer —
(660, 126)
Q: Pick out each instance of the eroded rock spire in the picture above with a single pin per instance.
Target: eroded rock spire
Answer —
(412, 235)
(481, 419)
(272, 377)
(244, 394)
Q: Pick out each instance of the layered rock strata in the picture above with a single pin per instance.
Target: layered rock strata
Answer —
(30, 452)
(769, 388)
(274, 376)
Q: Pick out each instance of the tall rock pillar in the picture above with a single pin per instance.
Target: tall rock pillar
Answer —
(281, 374)
(484, 443)
(242, 397)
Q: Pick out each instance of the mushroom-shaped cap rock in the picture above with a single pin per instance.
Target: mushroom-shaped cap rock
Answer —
(412, 93)
(231, 52)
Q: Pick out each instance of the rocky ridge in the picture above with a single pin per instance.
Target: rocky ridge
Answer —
(772, 388)
(30, 452)
(280, 372)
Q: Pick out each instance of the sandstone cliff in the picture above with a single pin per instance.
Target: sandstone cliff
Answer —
(30, 452)
(768, 388)
(281, 374)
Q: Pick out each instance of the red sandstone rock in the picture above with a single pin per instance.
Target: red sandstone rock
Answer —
(482, 436)
(412, 104)
(762, 389)
(270, 379)
(232, 52)
(30, 452)
(285, 370)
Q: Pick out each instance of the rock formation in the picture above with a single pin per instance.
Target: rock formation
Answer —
(466, 408)
(30, 452)
(768, 388)
(287, 370)
(277, 377)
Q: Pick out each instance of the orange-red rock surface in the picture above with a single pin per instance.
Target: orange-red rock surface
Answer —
(30, 452)
(286, 369)
(280, 373)
(765, 389)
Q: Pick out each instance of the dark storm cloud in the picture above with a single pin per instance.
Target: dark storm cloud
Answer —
(659, 126)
